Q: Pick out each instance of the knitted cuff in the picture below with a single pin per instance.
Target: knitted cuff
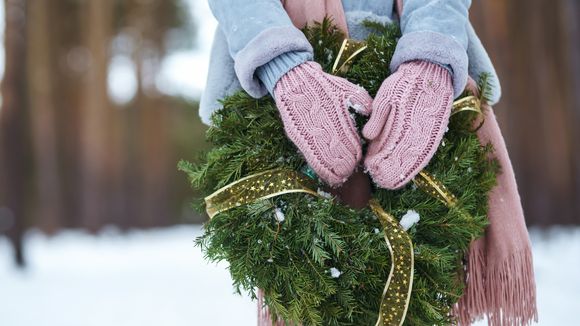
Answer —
(266, 46)
(437, 48)
(272, 71)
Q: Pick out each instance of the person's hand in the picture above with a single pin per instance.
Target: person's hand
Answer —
(314, 107)
(409, 118)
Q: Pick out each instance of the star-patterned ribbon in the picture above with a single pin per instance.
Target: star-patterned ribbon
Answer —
(257, 187)
(429, 184)
(397, 292)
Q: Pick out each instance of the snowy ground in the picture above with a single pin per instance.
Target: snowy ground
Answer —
(152, 278)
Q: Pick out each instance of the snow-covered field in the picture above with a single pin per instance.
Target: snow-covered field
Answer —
(143, 278)
(158, 277)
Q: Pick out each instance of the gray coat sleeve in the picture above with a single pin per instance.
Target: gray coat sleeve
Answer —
(436, 31)
(221, 79)
(257, 31)
(479, 62)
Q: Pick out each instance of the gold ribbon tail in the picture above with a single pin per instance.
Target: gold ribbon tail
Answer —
(397, 292)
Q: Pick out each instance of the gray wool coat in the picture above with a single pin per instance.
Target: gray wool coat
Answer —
(255, 43)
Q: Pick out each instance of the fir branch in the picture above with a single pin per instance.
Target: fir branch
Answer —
(484, 86)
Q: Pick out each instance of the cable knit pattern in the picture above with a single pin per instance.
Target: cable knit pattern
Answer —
(314, 109)
(410, 116)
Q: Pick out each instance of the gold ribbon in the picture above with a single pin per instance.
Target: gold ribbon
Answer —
(397, 292)
(348, 48)
(257, 187)
(429, 184)
(468, 103)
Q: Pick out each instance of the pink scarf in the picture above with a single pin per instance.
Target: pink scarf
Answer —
(500, 276)
(303, 12)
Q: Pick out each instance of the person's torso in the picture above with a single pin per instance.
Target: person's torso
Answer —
(357, 11)
(378, 7)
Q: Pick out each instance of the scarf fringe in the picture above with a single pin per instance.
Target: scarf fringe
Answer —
(506, 295)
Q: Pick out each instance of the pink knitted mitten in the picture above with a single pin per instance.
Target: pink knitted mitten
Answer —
(410, 115)
(314, 109)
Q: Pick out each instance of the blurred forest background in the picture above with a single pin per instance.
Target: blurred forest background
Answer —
(75, 152)
(73, 155)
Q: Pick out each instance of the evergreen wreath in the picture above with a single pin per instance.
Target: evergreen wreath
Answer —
(318, 261)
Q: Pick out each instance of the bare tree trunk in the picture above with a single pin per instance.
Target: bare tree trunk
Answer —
(570, 11)
(43, 116)
(150, 162)
(532, 43)
(13, 137)
(69, 63)
(95, 106)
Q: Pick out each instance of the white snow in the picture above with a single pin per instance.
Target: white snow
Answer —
(280, 217)
(157, 277)
(409, 219)
(324, 194)
(143, 278)
(334, 272)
